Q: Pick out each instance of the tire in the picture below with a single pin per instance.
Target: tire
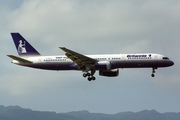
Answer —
(89, 78)
(93, 78)
(84, 75)
(152, 75)
(88, 74)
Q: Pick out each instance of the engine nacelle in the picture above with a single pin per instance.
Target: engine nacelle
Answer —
(109, 73)
(103, 65)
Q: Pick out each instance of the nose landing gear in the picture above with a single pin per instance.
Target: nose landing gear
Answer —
(153, 71)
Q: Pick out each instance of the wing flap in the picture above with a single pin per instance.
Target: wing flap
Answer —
(19, 59)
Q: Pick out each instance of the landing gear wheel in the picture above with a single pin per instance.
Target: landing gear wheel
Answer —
(88, 74)
(84, 75)
(93, 78)
(152, 75)
(89, 79)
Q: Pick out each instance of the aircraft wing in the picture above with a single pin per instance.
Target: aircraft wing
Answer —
(79, 59)
(19, 59)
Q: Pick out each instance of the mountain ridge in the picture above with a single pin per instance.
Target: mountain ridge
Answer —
(18, 113)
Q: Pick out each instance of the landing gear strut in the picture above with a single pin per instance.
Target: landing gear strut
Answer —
(153, 71)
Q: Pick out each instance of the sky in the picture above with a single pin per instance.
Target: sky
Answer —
(91, 27)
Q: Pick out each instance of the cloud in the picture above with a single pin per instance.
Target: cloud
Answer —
(84, 22)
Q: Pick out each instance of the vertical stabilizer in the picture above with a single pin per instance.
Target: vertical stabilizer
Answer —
(22, 46)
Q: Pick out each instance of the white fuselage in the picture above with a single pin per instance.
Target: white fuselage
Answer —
(109, 61)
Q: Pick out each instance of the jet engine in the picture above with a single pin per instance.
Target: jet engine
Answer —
(109, 73)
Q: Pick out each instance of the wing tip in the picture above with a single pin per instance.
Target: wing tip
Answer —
(61, 47)
(9, 55)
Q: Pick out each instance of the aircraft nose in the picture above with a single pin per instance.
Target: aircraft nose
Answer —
(171, 63)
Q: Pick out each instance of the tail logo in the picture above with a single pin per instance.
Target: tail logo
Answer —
(22, 47)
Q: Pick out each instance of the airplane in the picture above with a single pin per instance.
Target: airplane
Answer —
(108, 64)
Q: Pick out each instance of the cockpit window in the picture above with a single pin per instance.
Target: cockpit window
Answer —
(165, 58)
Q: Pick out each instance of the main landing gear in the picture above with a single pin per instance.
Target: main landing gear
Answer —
(90, 76)
(153, 71)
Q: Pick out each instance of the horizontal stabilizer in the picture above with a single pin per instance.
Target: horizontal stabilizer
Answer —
(19, 59)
